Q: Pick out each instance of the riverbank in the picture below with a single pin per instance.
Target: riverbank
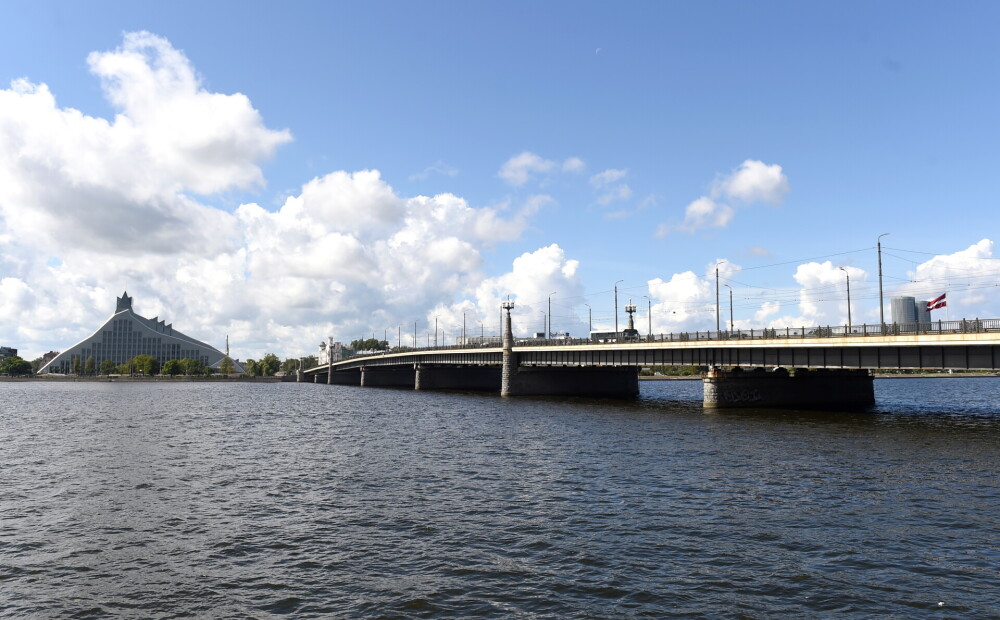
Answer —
(155, 379)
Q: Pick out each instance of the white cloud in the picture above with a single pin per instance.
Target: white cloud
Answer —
(969, 277)
(119, 187)
(438, 167)
(607, 177)
(90, 207)
(519, 169)
(753, 181)
(706, 213)
(621, 192)
(574, 165)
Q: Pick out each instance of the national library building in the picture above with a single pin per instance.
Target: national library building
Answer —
(126, 334)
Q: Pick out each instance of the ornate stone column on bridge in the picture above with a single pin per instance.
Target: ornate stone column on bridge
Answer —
(509, 367)
(329, 367)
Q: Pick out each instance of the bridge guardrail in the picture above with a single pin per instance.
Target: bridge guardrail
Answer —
(961, 326)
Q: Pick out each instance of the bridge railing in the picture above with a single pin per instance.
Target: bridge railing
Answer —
(961, 326)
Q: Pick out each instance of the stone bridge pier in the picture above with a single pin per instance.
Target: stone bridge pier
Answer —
(832, 390)
(599, 381)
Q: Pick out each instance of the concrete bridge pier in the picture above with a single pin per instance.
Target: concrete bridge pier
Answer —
(471, 378)
(387, 377)
(599, 381)
(592, 381)
(838, 390)
(344, 377)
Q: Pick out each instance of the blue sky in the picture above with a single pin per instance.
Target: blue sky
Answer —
(805, 130)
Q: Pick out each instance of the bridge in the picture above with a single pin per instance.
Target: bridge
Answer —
(819, 367)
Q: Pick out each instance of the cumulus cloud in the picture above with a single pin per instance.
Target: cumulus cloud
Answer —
(751, 182)
(574, 165)
(123, 186)
(438, 167)
(90, 207)
(607, 177)
(754, 181)
(969, 277)
(519, 169)
(526, 166)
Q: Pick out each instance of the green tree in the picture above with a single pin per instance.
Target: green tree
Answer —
(369, 344)
(270, 364)
(290, 365)
(251, 368)
(107, 367)
(172, 368)
(14, 366)
(309, 361)
(192, 367)
(146, 364)
(89, 366)
(226, 366)
(75, 365)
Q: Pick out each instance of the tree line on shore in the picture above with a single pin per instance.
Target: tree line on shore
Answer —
(147, 365)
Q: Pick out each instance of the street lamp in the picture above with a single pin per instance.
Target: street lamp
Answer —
(649, 316)
(435, 332)
(616, 309)
(732, 325)
(846, 273)
(590, 319)
(717, 297)
(549, 332)
(881, 303)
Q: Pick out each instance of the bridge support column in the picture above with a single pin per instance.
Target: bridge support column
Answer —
(471, 378)
(593, 381)
(316, 378)
(387, 377)
(837, 390)
(508, 368)
(344, 377)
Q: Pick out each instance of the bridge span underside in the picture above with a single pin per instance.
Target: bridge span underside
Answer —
(612, 369)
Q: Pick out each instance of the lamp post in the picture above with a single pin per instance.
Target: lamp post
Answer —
(881, 303)
(435, 332)
(717, 297)
(590, 319)
(732, 325)
(846, 273)
(464, 337)
(548, 334)
(616, 309)
(649, 316)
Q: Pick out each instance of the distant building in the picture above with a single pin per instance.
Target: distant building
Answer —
(6, 352)
(907, 310)
(332, 352)
(127, 334)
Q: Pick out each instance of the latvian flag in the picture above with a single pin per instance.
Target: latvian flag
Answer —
(934, 304)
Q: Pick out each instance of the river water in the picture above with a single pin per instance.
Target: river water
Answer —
(254, 500)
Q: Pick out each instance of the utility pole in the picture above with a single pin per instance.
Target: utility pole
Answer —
(846, 273)
(549, 332)
(616, 309)
(649, 317)
(590, 319)
(732, 325)
(717, 297)
(881, 303)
